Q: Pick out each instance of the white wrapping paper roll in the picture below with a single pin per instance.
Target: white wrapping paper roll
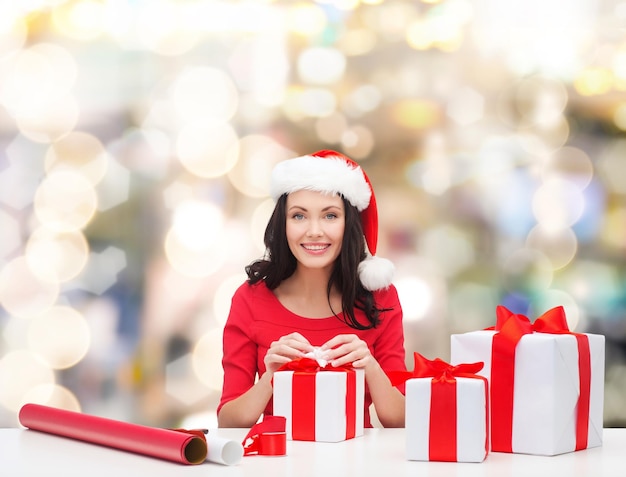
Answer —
(223, 451)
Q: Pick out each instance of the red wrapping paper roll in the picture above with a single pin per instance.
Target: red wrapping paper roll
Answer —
(165, 444)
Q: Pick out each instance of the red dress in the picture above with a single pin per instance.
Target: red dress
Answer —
(257, 319)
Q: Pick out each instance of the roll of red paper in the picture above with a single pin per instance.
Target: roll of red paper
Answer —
(177, 446)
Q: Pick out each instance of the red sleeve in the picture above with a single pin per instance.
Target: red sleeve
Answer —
(389, 347)
(239, 359)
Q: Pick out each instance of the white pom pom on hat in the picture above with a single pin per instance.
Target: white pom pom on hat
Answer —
(334, 173)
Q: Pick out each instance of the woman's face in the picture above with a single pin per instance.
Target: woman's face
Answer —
(315, 227)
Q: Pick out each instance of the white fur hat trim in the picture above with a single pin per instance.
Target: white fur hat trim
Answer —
(376, 273)
(333, 176)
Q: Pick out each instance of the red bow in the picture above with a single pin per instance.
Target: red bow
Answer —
(310, 365)
(437, 368)
(552, 321)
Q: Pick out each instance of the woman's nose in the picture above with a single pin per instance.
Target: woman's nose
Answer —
(314, 229)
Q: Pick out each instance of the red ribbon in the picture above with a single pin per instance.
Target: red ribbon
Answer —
(443, 420)
(511, 327)
(267, 437)
(303, 408)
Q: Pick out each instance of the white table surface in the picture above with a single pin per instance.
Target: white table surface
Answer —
(380, 453)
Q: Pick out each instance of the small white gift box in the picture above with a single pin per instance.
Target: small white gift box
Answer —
(324, 405)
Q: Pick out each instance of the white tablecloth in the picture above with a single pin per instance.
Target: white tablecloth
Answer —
(379, 453)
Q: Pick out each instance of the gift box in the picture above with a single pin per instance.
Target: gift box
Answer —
(447, 411)
(320, 403)
(546, 383)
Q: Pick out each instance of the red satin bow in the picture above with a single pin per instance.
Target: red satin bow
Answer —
(511, 328)
(552, 321)
(310, 365)
(437, 368)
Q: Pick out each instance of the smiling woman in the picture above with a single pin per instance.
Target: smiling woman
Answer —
(320, 285)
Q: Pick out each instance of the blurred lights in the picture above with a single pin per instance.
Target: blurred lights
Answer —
(526, 271)
(258, 155)
(78, 151)
(558, 204)
(570, 163)
(619, 116)
(330, 128)
(358, 142)
(309, 63)
(56, 257)
(182, 383)
(316, 102)
(10, 239)
(53, 395)
(208, 350)
(65, 201)
(449, 247)
(22, 292)
(223, 297)
(202, 92)
(196, 262)
(208, 149)
(13, 31)
(60, 337)
(417, 114)
(593, 81)
(20, 372)
(51, 120)
(102, 270)
(559, 245)
(306, 19)
(415, 296)
(258, 223)
(81, 19)
(197, 225)
(466, 106)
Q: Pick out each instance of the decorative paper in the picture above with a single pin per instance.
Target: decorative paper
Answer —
(447, 415)
(546, 383)
(323, 404)
(186, 447)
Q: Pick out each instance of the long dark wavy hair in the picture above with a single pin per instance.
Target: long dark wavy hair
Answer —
(279, 263)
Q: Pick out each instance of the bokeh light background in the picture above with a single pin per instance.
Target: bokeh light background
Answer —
(137, 137)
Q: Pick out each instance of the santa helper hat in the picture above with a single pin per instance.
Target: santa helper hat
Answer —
(333, 173)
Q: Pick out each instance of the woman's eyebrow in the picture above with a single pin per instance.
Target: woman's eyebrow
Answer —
(325, 209)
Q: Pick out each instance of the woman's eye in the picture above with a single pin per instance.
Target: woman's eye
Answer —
(298, 216)
(331, 216)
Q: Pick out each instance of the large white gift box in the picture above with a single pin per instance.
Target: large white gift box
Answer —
(471, 428)
(557, 406)
(326, 405)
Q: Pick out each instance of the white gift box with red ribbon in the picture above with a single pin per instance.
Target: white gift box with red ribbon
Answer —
(446, 411)
(467, 439)
(546, 383)
(323, 405)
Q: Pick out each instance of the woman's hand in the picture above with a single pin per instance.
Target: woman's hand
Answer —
(285, 349)
(346, 349)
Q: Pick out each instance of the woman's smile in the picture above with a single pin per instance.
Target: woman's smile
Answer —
(316, 248)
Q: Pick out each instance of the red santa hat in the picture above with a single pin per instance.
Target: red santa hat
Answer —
(334, 173)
